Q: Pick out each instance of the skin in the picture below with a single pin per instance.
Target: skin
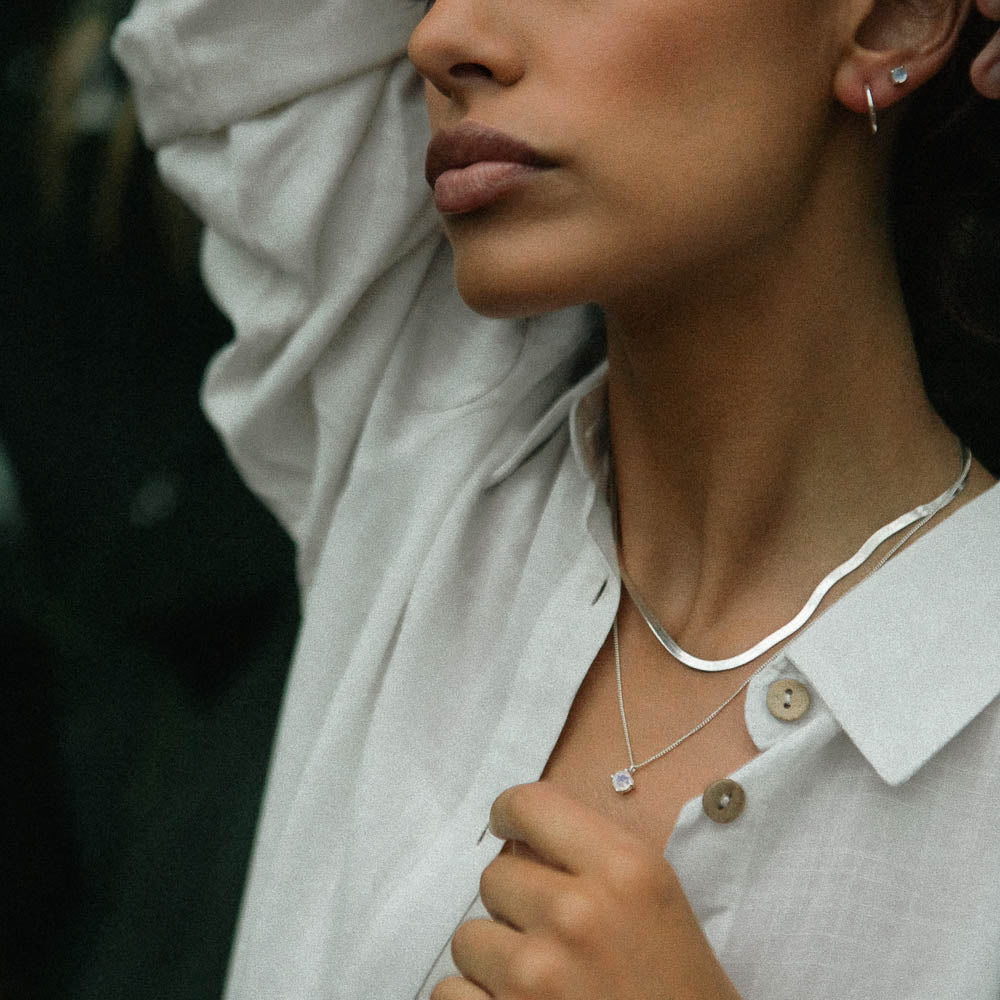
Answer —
(718, 193)
(570, 926)
(588, 89)
(986, 68)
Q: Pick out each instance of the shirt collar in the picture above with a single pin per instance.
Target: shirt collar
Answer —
(584, 404)
(904, 660)
(908, 657)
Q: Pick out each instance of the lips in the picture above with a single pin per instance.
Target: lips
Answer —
(473, 165)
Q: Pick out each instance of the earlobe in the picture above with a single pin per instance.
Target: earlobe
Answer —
(899, 47)
(879, 88)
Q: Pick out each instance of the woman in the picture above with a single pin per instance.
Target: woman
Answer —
(710, 178)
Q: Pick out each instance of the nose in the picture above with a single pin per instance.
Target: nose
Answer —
(463, 45)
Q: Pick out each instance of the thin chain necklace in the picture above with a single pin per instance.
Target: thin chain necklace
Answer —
(624, 780)
(917, 517)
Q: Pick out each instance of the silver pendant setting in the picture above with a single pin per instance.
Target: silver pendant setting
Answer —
(622, 781)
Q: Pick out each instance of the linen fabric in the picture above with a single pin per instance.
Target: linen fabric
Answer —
(443, 477)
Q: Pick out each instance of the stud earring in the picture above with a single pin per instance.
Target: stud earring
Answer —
(872, 113)
(899, 75)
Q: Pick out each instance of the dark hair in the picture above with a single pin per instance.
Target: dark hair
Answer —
(945, 208)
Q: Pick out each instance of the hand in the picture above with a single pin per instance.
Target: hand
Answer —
(986, 67)
(582, 910)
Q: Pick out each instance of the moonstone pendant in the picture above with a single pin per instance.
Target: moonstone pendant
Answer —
(622, 781)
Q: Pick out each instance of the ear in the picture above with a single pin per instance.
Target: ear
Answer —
(914, 37)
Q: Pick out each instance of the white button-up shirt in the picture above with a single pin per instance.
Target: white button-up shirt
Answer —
(443, 477)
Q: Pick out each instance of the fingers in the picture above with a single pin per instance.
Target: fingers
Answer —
(985, 70)
(560, 830)
(505, 962)
(484, 952)
(586, 910)
(458, 988)
(520, 892)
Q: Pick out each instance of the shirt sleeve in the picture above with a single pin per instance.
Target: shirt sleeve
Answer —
(296, 131)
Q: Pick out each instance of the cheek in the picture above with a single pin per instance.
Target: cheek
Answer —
(684, 139)
(702, 138)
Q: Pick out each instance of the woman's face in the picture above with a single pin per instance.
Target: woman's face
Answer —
(677, 135)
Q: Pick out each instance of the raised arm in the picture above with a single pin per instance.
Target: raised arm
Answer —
(296, 130)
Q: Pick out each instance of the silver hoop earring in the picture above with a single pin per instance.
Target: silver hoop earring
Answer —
(872, 113)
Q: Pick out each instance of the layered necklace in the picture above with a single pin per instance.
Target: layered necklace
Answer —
(623, 780)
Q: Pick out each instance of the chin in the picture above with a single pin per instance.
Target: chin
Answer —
(501, 301)
(514, 285)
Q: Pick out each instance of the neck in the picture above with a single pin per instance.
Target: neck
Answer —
(762, 427)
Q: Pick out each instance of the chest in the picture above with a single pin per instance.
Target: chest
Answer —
(663, 702)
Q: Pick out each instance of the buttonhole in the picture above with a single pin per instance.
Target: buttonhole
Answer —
(724, 801)
(599, 592)
(788, 697)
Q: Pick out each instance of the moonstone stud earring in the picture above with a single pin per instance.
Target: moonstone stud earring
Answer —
(899, 75)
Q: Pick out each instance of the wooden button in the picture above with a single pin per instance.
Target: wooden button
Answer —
(724, 801)
(788, 699)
